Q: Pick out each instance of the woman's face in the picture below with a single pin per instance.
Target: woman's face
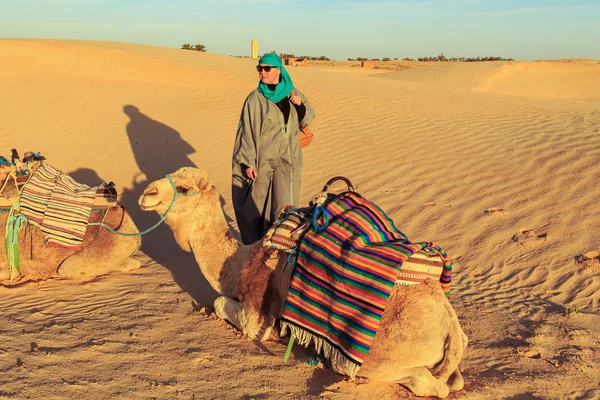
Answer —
(270, 77)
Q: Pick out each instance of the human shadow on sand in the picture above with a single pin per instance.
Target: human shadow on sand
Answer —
(160, 150)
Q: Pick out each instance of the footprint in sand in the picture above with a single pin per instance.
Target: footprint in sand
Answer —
(432, 203)
(529, 237)
(495, 211)
(199, 357)
(393, 190)
(590, 260)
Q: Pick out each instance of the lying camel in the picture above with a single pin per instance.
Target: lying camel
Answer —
(419, 343)
(100, 253)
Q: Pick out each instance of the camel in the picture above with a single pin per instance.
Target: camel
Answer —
(420, 341)
(100, 252)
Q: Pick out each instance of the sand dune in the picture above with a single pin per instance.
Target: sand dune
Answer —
(559, 79)
(543, 79)
(496, 162)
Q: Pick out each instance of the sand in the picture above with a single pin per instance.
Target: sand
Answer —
(497, 162)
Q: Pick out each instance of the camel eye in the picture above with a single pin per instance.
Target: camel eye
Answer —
(182, 189)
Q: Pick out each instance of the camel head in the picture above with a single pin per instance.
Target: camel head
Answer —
(193, 201)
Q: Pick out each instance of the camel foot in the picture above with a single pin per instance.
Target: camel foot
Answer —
(420, 381)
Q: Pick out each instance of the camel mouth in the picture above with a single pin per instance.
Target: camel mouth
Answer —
(149, 208)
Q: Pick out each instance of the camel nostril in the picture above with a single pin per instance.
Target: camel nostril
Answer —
(151, 191)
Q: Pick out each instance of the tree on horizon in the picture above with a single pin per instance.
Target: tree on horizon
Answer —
(197, 47)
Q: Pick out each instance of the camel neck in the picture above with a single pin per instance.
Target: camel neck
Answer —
(220, 258)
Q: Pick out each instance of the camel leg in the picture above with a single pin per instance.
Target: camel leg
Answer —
(233, 311)
(85, 267)
(420, 381)
(455, 381)
(105, 251)
(105, 254)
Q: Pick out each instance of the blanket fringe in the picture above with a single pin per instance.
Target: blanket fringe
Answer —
(339, 362)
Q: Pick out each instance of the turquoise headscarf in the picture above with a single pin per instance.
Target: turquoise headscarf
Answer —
(284, 87)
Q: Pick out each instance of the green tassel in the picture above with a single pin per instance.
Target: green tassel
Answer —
(13, 225)
(289, 347)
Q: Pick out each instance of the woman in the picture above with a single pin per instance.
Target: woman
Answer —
(267, 156)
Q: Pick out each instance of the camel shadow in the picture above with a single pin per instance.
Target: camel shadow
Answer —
(160, 150)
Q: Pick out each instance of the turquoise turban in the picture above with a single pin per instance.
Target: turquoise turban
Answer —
(285, 85)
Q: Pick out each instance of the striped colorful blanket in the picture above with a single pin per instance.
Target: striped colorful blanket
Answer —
(60, 207)
(346, 269)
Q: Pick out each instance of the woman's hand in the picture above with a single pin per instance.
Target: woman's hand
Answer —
(296, 100)
(251, 173)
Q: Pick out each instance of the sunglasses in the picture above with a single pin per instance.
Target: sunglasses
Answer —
(266, 68)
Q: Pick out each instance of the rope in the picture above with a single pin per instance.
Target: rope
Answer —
(314, 360)
(292, 256)
(6, 182)
(162, 216)
(320, 213)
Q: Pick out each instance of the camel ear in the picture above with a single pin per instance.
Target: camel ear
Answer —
(204, 185)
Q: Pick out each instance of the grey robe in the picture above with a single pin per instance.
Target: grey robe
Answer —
(265, 143)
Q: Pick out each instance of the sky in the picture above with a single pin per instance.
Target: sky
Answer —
(337, 29)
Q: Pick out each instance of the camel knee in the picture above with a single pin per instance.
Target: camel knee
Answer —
(219, 306)
(228, 310)
(129, 264)
(70, 269)
(456, 381)
(232, 311)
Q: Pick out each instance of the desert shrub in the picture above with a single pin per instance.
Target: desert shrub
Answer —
(196, 47)
(572, 310)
